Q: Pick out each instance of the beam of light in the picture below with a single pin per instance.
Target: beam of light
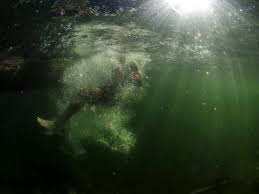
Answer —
(189, 6)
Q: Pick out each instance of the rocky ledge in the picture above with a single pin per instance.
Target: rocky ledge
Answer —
(17, 72)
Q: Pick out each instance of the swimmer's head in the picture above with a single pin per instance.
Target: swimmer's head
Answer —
(133, 73)
(128, 73)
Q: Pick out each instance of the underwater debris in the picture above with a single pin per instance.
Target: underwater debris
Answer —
(211, 187)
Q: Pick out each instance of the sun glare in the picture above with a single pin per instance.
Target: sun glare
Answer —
(189, 6)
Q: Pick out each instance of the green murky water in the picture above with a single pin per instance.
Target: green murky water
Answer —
(193, 123)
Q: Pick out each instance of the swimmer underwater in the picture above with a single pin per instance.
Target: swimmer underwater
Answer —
(104, 94)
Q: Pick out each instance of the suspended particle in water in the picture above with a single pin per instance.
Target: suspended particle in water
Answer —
(162, 108)
(93, 108)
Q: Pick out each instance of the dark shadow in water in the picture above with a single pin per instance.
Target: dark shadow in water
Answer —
(30, 161)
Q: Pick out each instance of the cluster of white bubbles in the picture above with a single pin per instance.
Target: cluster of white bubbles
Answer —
(98, 46)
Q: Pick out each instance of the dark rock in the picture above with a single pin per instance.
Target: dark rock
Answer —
(11, 70)
(18, 73)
